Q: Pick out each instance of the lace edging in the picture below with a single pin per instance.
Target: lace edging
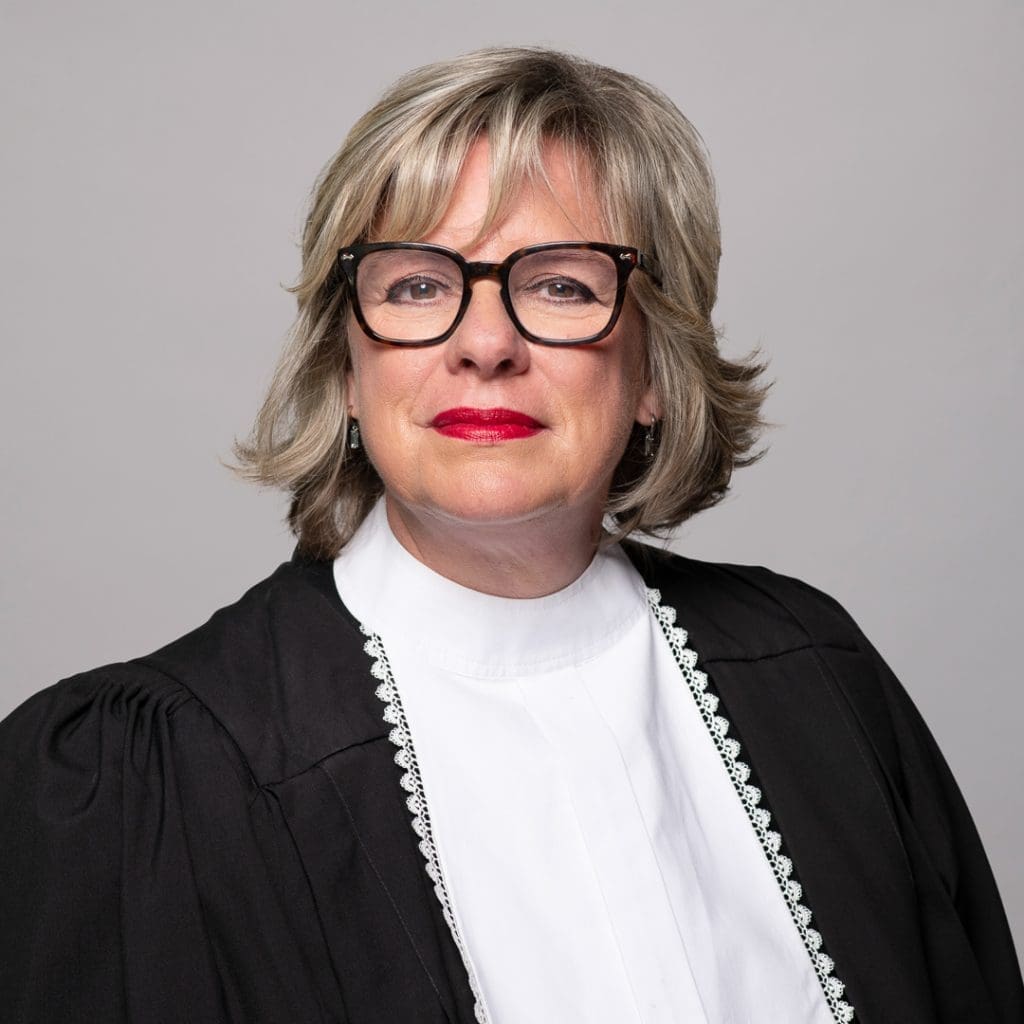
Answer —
(412, 783)
(750, 796)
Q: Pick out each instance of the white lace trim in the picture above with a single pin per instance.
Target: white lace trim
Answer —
(750, 796)
(412, 783)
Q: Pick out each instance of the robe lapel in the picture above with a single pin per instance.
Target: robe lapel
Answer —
(394, 955)
(826, 793)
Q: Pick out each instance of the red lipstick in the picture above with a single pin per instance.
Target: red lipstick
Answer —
(486, 425)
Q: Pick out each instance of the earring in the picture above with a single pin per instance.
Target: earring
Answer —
(354, 440)
(649, 439)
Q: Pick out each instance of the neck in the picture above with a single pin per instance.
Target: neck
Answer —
(522, 559)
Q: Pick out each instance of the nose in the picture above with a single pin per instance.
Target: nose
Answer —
(486, 341)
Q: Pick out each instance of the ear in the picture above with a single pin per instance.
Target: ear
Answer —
(350, 393)
(648, 407)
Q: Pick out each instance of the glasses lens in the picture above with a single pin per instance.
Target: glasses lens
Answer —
(408, 295)
(564, 294)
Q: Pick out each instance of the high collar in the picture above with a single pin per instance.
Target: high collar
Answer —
(394, 594)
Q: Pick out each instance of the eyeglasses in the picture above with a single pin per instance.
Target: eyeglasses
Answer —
(557, 293)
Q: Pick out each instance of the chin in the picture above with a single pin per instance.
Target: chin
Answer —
(497, 499)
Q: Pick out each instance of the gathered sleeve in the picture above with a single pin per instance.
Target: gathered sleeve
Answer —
(952, 871)
(974, 970)
(135, 879)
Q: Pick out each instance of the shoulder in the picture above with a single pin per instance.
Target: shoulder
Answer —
(283, 670)
(744, 611)
(273, 674)
(779, 647)
(86, 716)
(766, 633)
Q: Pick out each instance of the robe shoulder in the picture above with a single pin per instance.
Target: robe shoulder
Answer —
(283, 670)
(122, 801)
(744, 612)
(148, 867)
(742, 619)
(146, 873)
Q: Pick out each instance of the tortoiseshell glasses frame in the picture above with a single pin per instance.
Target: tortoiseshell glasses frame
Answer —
(626, 259)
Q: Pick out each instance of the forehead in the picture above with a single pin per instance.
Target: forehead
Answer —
(494, 208)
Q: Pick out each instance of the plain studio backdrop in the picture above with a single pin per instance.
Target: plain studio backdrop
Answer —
(156, 163)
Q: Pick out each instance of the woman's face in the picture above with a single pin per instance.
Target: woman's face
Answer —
(583, 399)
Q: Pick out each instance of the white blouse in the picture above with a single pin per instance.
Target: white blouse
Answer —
(598, 860)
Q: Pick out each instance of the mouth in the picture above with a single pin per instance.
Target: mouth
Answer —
(486, 425)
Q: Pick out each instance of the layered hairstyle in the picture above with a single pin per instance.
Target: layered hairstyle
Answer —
(393, 178)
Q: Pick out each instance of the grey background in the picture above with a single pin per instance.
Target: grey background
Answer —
(156, 162)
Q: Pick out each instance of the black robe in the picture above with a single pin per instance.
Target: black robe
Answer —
(216, 832)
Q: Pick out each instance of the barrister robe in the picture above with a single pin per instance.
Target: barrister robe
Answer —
(217, 831)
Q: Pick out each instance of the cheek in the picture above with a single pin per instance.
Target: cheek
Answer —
(383, 379)
(615, 394)
(600, 407)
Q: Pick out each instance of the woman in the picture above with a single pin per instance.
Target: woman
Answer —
(503, 364)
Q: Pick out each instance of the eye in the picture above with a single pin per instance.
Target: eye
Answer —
(414, 290)
(422, 290)
(562, 289)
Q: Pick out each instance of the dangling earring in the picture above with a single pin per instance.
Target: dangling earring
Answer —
(649, 439)
(354, 440)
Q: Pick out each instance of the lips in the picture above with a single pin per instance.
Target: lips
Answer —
(487, 425)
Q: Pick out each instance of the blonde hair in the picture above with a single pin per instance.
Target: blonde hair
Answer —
(394, 177)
